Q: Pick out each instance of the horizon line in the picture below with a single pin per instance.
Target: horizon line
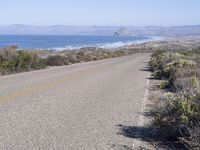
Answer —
(103, 25)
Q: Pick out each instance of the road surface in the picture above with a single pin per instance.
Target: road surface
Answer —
(82, 106)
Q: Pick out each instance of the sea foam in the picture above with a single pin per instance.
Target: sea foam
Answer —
(107, 45)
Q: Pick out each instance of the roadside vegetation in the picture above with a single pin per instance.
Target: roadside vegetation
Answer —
(177, 117)
(14, 61)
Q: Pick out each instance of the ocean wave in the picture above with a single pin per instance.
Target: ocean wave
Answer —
(108, 45)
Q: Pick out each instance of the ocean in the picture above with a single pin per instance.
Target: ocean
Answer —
(59, 42)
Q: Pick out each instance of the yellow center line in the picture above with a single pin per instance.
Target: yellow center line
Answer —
(51, 84)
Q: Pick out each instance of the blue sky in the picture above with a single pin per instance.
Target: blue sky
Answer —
(100, 12)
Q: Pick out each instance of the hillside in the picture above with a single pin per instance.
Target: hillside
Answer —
(193, 30)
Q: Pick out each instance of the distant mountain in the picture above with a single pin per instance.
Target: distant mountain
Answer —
(193, 30)
(101, 30)
(57, 30)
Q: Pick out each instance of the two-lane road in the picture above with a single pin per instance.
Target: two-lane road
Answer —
(73, 107)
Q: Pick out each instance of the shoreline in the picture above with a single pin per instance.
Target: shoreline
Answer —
(28, 60)
(169, 43)
(61, 43)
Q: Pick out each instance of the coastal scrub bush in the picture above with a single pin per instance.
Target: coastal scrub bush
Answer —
(189, 85)
(178, 119)
(56, 60)
(164, 85)
(83, 57)
(119, 53)
(13, 61)
(164, 64)
(171, 67)
(185, 78)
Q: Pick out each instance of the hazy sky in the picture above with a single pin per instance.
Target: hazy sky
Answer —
(100, 12)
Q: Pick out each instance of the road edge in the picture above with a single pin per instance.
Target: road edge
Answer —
(136, 141)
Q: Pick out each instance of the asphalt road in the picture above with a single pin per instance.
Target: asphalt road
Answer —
(82, 106)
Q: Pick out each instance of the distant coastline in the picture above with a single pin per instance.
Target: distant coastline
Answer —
(14, 59)
(20, 29)
(60, 42)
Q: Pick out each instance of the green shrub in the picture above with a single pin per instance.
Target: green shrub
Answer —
(189, 85)
(164, 85)
(185, 78)
(171, 67)
(179, 116)
(160, 63)
(183, 110)
(165, 64)
(72, 58)
(56, 60)
(12, 61)
(119, 53)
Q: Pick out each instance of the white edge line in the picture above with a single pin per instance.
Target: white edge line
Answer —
(136, 142)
